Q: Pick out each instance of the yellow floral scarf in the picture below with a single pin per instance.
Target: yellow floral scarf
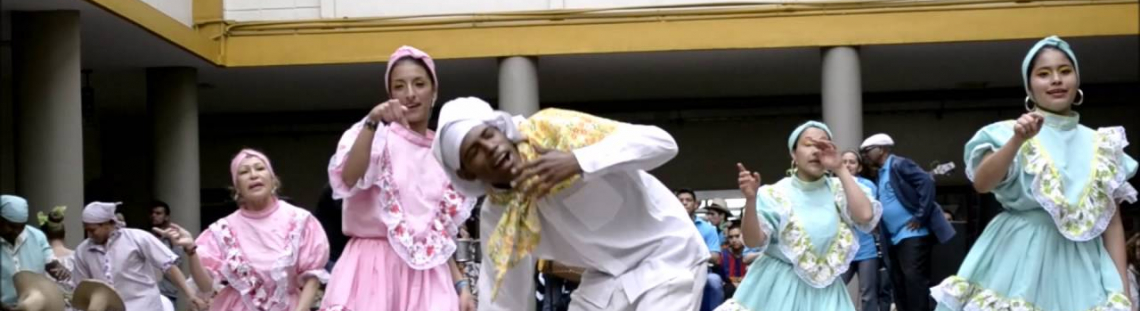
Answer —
(519, 230)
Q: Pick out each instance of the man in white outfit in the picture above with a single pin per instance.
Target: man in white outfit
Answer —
(594, 206)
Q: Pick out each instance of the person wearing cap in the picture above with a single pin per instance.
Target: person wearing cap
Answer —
(716, 288)
(1059, 244)
(717, 213)
(125, 258)
(912, 221)
(400, 210)
(573, 188)
(22, 248)
(805, 225)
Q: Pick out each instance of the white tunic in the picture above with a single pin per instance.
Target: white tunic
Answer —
(620, 223)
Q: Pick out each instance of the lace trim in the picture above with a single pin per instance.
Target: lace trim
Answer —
(369, 179)
(103, 251)
(959, 294)
(169, 263)
(731, 305)
(320, 274)
(768, 230)
(436, 247)
(249, 283)
(1097, 203)
(795, 243)
(841, 203)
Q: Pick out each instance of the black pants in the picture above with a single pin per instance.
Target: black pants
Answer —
(910, 273)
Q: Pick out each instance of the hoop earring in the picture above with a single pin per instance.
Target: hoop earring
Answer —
(1029, 107)
(1080, 94)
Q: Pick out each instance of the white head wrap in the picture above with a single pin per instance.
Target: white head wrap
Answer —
(457, 118)
(101, 212)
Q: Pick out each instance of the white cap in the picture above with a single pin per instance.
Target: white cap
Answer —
(879, 139)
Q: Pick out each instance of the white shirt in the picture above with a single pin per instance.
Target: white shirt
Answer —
(1134, 292)
(620, 223)
(127, 261)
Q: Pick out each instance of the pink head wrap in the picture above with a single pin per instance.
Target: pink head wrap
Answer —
(407, 51)
(235, 164)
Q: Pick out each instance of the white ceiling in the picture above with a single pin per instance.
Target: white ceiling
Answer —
(109, 41)
(113, 44)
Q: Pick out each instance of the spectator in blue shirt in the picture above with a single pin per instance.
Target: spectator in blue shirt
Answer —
(714, 287)
(912, 221)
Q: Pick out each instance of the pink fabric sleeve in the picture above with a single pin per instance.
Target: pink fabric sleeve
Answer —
(210, 254)
(313, 253)
(336, 163)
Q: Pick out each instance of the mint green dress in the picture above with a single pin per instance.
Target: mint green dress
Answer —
(811, 243)
(1045, 251)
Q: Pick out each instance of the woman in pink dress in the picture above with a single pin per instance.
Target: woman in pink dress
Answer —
(400, 209)
(267, 256)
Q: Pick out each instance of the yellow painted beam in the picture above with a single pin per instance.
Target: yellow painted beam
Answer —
(165, 27)
(208, 10)
(866, 28)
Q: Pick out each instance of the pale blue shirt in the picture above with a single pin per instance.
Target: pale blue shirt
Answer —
(895, 215)
(867, 249)
(708, 232)
(30, 253)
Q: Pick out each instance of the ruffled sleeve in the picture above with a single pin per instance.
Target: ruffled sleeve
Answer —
(210, 254)
(313, 253)
(1116, 141)
(771, 215)
(841, 203)
(336, 163)
(988, 140)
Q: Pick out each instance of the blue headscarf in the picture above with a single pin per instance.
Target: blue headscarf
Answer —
(803, 127)
(14, 208)
(1053, 42)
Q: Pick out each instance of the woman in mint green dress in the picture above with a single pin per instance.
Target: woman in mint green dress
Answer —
(805, 225)
(1059, 244)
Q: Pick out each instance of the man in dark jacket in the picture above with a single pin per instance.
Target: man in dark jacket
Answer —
(910, 217)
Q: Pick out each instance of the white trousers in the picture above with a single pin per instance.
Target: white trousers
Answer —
(681, 293)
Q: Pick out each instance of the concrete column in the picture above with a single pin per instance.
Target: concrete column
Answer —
(172, 97)
(49, 139)
(843, 96)
(518, 85)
